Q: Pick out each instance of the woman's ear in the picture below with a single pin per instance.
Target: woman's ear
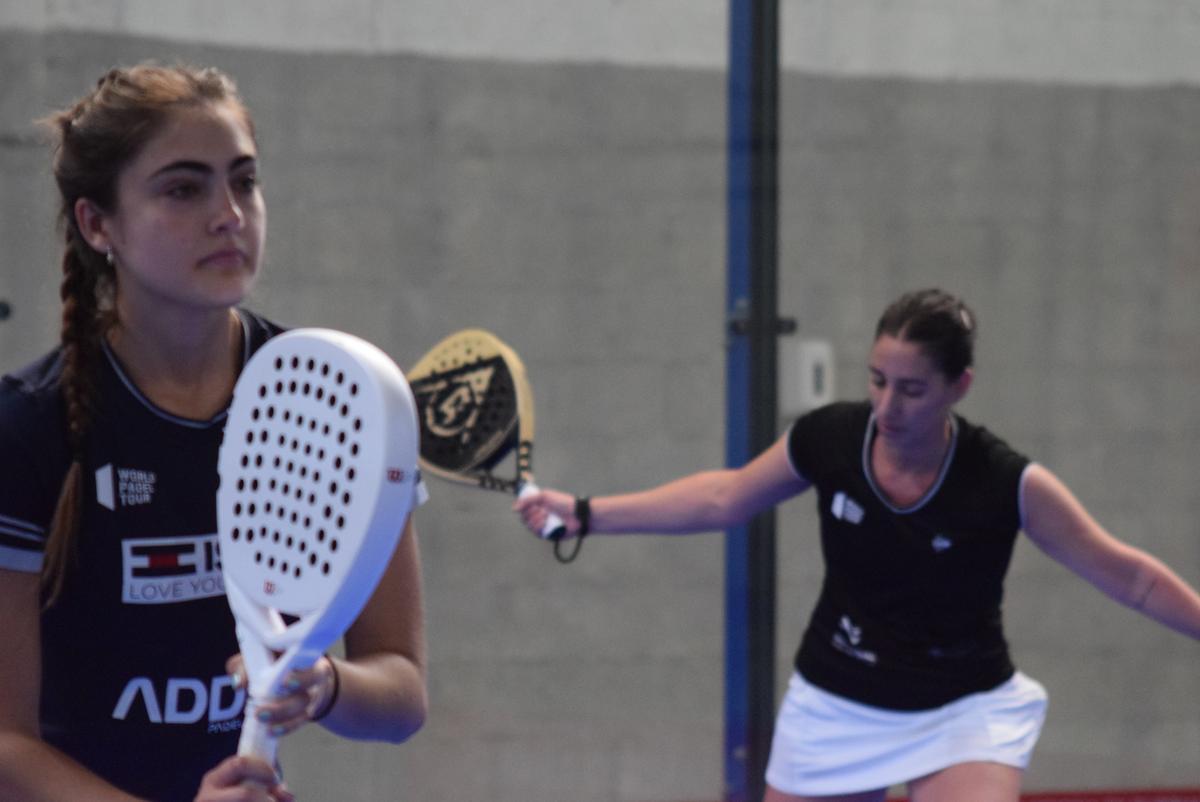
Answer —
(962, 384)
(93, 224)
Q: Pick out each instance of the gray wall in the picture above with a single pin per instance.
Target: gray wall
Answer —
(577, 209)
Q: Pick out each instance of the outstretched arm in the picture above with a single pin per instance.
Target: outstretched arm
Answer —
(1060, 526)
(699, 502)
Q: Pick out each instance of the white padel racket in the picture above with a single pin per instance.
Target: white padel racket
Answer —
(317, 476)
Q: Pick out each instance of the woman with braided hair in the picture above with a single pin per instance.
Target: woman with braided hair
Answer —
(116, 681)
(903, 675)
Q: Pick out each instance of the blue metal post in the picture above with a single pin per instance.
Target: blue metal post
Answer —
(751, 388)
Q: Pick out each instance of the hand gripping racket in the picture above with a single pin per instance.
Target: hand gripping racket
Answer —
(317, 476)
(475, 407)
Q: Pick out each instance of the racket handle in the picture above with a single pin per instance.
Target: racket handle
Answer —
(554, 528)
(256, 739)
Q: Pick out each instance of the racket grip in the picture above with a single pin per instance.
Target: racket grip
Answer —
(554, 528)
(256, 739)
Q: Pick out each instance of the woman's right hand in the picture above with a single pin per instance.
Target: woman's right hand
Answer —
(535, 508)
(243, 779)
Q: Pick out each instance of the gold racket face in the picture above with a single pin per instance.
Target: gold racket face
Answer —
(467, 402)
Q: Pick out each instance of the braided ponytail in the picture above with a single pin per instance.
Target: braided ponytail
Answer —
(81, 332)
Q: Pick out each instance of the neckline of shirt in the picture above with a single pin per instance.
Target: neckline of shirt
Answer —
(158, 411)
(869, 437)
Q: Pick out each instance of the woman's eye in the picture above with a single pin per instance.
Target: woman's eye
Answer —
(182, 191)
(246, 183)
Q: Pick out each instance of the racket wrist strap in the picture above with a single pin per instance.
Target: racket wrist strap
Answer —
(583, 514)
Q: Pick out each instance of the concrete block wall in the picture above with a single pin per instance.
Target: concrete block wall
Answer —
(560, 180)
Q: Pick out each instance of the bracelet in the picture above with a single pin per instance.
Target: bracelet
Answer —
(583, 513)
(337, 686)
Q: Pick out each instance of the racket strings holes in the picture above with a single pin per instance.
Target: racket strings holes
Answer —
(304, 442)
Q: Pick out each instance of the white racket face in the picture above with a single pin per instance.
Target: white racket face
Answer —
(317, 471)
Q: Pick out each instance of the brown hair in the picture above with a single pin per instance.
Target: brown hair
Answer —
(940, 323)
(94, 139)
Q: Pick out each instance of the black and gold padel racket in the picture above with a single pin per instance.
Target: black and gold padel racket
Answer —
(474, 409)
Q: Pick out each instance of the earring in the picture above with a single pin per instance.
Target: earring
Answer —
(108, 256)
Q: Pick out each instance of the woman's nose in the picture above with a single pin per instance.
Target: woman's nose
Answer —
(229, 215)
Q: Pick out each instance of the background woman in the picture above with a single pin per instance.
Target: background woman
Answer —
(904, 674)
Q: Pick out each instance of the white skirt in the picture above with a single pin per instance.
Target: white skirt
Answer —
(827, 744)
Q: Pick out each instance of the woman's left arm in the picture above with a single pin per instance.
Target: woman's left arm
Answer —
(1061, 527)
(381, 690)
(377, 691)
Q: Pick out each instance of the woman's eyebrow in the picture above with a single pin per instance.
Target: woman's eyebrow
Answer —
(183, 164)
(191, 165)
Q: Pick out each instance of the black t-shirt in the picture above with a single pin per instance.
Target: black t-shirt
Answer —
(908, 617)
(133, 653)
